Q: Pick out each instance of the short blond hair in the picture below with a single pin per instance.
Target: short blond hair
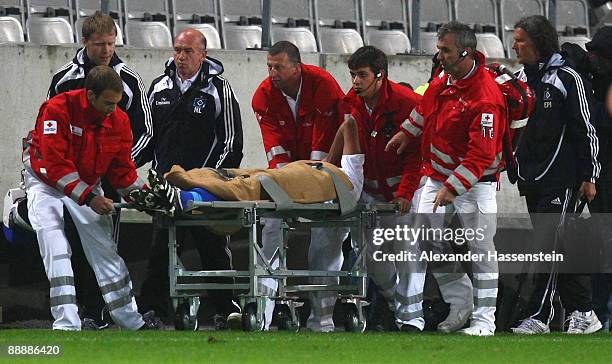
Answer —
(98, 23)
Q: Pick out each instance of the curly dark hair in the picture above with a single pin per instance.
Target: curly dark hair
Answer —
(542, 33)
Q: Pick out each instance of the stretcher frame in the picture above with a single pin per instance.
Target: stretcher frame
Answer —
(248, 214)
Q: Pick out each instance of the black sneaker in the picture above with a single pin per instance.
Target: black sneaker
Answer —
(409, 328)
(93, 324)
(151, 322)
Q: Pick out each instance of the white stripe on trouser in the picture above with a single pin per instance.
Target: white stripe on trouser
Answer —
(56, 260)
(401, 283)
(45, 209)
(409, 296)
(477, 209)
(551, 284)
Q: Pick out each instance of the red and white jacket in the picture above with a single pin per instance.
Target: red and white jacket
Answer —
(386, 174)
(72, 146)
(463, 124)
(318, 118)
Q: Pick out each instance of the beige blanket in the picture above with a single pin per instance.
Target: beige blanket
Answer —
(302, 182)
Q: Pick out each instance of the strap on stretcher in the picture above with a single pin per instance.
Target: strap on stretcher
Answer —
(284, 202)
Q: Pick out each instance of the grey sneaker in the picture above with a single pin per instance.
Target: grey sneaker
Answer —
(583, 323)
(456, 319)
(531, 326)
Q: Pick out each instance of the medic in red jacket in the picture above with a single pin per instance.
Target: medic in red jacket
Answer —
(73, 145)
(311, 133)
(463, 126)
(387, 175)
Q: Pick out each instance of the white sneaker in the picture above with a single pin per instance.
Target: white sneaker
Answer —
(477, 330)
(583, 323)
(531, 326)
(456, 319)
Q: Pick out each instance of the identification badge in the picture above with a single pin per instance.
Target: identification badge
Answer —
(50, 127)
(486, 122)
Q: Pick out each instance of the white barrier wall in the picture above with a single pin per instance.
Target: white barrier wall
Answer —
(28, 70)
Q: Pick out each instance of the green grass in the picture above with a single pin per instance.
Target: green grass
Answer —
(306, 347)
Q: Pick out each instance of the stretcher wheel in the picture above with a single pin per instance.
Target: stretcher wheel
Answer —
(353, 322)
(285, 319)
(249, 318)
(183, 319)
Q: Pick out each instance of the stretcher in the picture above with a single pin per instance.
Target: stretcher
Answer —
(186, 285)
(248, 214)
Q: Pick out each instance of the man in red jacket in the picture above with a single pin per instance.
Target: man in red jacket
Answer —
(380, 106)
(298, 109)
(461, 122)
(81, 136)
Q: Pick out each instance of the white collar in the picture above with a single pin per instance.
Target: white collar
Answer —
(184, 85)
(293, 103)
(469, 74)
(297, 97)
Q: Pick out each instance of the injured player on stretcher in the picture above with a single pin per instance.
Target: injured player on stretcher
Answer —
(303, 181)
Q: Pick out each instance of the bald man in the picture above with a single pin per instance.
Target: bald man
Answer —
(196, 123)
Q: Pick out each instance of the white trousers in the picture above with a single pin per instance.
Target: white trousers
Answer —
(476, 209)
(400, 282)
(324, 253)
(45, 210)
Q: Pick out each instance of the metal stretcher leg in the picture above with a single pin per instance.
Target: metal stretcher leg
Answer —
(253, 305)
(185, 308)
(286, 307)
(354, 316)
(271, 239)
